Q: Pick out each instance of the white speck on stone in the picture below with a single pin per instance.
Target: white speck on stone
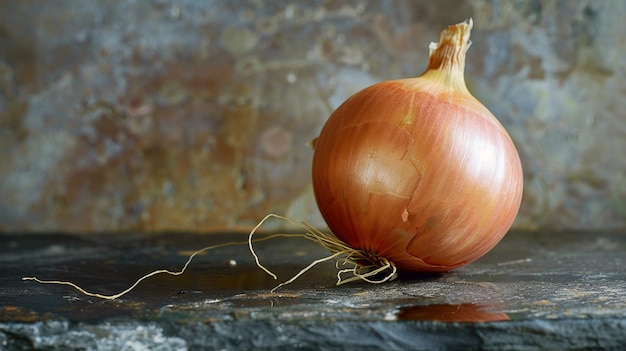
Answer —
(292, 78)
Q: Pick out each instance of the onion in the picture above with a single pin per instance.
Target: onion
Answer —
(417, 172)
(410, 175)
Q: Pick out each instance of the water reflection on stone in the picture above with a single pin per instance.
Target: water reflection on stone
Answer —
(463, 312)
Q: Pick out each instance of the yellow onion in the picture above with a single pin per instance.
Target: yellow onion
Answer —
(417, 171)
(410, 175)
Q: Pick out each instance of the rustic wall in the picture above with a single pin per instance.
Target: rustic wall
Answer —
(194, 115)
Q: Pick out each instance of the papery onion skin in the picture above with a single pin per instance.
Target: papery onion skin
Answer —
(417, 170)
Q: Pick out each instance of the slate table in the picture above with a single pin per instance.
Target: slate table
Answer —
(539, 290)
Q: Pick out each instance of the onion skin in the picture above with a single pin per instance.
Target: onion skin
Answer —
(417, 170)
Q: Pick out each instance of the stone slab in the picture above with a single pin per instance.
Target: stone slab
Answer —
(535, 290)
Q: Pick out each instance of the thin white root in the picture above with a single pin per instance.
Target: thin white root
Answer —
(365, 266)
(151, 274)
(338, 248)
(370, 272)
(107, 297)
(250, 241)
(306, 269)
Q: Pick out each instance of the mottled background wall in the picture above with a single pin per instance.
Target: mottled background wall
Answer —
(194, 115)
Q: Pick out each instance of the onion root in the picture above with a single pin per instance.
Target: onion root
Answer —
(364, 265)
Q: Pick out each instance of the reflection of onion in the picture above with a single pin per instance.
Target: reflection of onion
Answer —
(464, 312)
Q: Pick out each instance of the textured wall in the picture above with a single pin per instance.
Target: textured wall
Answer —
(194, 115)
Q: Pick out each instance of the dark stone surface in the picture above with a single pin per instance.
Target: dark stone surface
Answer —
(545, 290)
